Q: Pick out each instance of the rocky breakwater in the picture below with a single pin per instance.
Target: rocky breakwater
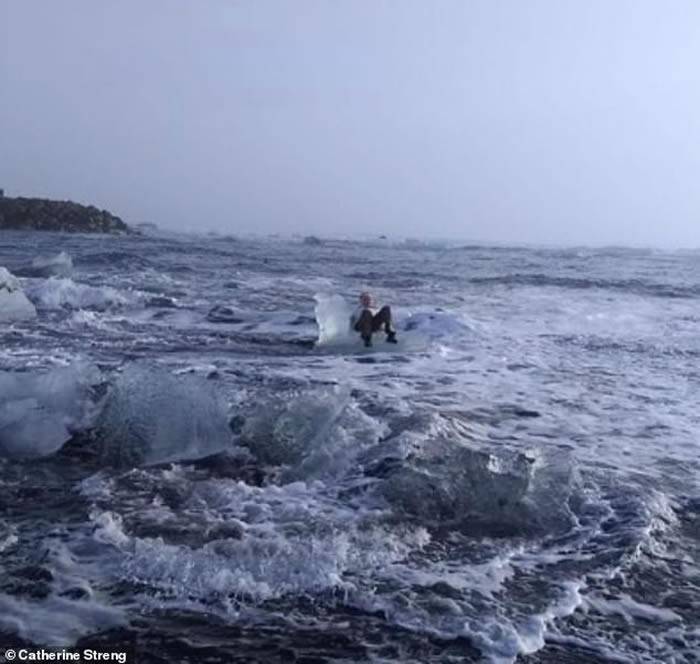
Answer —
(40, 214)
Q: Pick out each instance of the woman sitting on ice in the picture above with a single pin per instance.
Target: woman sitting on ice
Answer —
(366, 322)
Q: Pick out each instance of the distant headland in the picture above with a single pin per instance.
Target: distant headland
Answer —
(41, 214)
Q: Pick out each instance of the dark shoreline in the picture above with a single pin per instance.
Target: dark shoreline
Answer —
(42, 214)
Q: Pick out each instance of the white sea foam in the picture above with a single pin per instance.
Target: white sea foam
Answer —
(57, 293)
(271, 554)
(8, 536)
(56, 621)
(85, 319)
(623, 605)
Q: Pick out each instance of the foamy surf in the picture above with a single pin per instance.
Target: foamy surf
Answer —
(179, 455)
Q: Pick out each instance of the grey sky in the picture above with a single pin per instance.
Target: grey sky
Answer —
(544, 121)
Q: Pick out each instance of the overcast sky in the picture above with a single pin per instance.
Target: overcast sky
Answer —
(540, 121)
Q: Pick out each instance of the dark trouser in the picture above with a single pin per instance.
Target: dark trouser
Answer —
(368, 323)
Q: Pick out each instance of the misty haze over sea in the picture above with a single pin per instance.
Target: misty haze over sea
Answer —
(562, 123)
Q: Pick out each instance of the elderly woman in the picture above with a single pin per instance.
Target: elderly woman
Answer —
(366, 322)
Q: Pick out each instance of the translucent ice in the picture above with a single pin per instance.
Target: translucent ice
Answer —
(14, 304)
(152, 416)
(39, 412)
(60, 265)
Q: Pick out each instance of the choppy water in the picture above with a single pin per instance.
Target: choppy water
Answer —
(522, 485)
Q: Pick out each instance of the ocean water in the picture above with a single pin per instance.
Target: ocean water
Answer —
(184, 471)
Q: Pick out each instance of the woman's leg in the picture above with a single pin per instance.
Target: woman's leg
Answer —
(365, 324)
(383, 318)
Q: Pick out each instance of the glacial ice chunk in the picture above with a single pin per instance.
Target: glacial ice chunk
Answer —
(151, 416)
(14, 305)
(286, 431)
(333, 318)
(39, 412)
(313, 434)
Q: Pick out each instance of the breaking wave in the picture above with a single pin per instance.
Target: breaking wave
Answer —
(56, 294)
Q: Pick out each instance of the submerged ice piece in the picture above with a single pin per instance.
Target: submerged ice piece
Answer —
(14, 305)
(60, 265)
(445, 481)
